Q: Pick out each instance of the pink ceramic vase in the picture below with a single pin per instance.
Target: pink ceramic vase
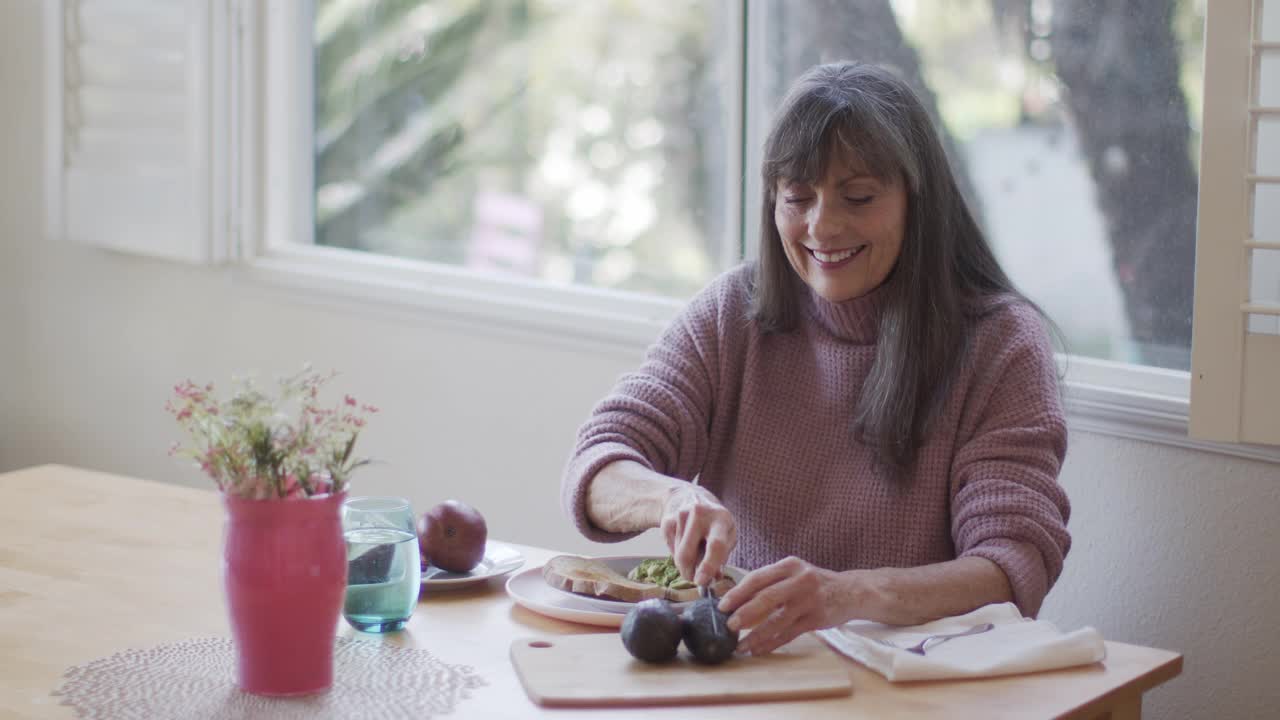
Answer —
(285, 574)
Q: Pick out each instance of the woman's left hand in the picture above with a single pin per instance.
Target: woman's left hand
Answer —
(781, 601)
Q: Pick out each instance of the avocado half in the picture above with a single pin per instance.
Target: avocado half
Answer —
(707, 633)
(652, 630)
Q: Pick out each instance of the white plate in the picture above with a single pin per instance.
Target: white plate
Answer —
(528, 589)
(498, 560)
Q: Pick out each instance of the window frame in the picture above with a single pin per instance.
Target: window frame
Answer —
(1235, 386)
(272, 241)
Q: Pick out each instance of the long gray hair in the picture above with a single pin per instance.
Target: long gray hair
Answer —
(946, 270)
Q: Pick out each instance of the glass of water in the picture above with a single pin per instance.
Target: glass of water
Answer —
(383, 567)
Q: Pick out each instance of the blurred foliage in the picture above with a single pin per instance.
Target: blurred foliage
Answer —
(572, 142)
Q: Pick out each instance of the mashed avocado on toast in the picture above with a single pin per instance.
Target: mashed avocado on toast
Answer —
(659, 571)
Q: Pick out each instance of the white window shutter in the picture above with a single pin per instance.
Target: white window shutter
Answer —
(1235, 356)
(138, 154)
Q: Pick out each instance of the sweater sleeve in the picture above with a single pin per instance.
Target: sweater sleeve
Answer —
(1007, 505)
(657, 416)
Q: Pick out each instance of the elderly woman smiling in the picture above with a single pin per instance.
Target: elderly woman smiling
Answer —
(867, 418)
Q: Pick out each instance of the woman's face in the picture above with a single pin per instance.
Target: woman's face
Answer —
(843, 233)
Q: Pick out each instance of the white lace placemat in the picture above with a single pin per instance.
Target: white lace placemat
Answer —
(196, 679)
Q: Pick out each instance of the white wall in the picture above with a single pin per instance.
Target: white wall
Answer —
(1173, 548)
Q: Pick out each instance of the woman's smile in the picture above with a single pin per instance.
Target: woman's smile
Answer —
(834, 259)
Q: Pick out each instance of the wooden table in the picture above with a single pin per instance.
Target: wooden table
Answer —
(91, 564)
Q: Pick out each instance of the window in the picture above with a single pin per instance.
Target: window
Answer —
(579, 168)
(588, 142)
(572, 142)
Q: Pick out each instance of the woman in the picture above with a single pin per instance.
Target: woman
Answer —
(870, 411)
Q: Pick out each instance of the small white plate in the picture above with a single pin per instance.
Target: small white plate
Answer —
(499, 559)
(530, 590)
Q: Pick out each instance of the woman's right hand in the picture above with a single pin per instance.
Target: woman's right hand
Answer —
(699, 530)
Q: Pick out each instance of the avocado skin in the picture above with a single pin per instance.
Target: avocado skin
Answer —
(652, 630)
(707, 634)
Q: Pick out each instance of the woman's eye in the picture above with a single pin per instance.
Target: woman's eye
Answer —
(861, 200)
(796, 199)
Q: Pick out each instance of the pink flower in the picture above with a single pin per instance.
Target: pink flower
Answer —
(300, 436)
(189, 391)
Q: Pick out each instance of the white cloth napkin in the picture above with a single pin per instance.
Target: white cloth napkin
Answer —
(1015, 645)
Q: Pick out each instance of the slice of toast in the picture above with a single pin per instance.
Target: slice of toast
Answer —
(588, 576)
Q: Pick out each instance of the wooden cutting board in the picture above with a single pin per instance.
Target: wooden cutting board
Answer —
(596, 670)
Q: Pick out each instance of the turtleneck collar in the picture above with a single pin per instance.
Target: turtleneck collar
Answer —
(855, 321)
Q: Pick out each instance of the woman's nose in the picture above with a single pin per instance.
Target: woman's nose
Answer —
(825, 222)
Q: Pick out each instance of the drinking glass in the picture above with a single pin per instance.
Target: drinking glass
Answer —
(383, 567)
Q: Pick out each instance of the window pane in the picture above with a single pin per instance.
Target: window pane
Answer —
(1073, 127)
(1264, 324)
(572, 142)
(1266, 212)
(1264, 275)
(1264, 288)
(1269, 78)
(1270, 20)
(1268, 146)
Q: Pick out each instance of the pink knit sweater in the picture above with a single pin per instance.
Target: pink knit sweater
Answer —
(764, 422)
